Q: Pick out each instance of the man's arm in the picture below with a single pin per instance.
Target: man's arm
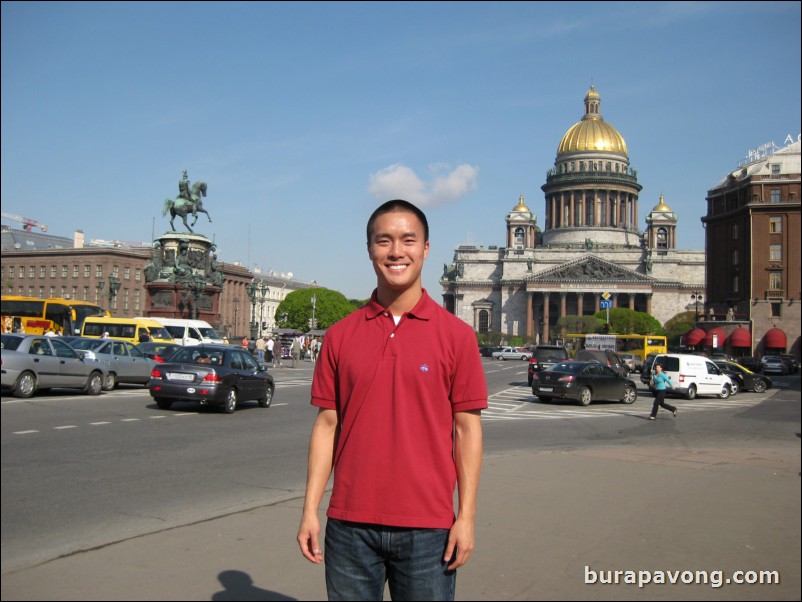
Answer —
(468, 459)
(321, 457)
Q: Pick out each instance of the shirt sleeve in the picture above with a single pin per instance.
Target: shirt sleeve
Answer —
(469, 387)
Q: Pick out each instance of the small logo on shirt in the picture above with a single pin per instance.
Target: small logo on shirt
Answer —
(424, 368)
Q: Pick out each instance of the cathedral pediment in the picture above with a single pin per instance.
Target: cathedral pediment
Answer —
(588, 269)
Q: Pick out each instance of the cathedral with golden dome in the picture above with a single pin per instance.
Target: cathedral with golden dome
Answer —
(590, 247)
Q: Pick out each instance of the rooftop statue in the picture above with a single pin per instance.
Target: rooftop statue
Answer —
(189, 200)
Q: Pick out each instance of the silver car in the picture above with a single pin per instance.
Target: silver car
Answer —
(124, 361)
(511, 353)
(32, 363)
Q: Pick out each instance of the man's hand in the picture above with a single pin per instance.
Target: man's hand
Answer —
(460, 543)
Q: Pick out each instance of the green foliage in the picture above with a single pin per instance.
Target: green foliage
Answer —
(579, 324)
(628, 321)
(489, 339)
(330, 307)
(679, 325)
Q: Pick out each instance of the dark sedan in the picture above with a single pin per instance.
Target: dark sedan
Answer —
(215, 375)
(745, 379)
(583, 382)
(157, 351)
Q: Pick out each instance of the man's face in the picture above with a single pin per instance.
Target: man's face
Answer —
(397, 249)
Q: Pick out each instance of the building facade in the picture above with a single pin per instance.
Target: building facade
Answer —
(589, 250)
(752, 235)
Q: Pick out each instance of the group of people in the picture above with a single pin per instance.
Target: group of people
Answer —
(269, 350)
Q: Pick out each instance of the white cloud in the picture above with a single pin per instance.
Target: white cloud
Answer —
(400, 182)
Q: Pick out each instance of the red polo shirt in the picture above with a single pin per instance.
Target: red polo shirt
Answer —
(396, 389)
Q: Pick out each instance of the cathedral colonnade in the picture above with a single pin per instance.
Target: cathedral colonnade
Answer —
(591, 207)
(545, 308)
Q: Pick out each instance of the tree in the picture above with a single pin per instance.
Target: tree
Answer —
(579, 324)
(679, 325)
(629, 321)
(330, 307)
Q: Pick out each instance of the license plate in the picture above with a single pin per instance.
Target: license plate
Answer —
(180, 376)
(546, 389)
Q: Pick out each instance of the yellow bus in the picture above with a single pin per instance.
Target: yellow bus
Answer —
(127, 329)
(638, 344)
(31, 315)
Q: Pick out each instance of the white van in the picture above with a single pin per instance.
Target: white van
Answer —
(694, 375)
(191, 332)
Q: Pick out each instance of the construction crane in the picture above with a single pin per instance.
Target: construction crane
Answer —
(28, 224)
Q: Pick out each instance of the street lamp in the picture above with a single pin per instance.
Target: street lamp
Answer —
(199, 285)
(251, 290)
(696, 297)
(263, 288)
(313, 321)
(100, 284)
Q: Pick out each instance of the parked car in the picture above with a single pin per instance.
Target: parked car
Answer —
(632, 360)
(792, 361)
(772, 364)
(749, 363)
(158, 352)
(646, 368)
(217, 375)
(511, 353)
(693, 375)
(583, 382)
(36, 363)
(544, 357)
(745, 379)
(608, 358)
(124, 362)
(488, 351)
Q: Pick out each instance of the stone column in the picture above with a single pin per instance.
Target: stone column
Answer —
(530, 325)
(545, 317)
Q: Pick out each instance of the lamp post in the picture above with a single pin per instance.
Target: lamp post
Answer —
(251, 290)
(263, 289)
(696, 297)
(313, 321)
(198, 285)
(100, 284)
(236, 316)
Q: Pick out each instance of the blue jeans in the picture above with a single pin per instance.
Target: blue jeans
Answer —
(360, 558)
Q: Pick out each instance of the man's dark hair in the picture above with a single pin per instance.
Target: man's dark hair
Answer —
(400, 206)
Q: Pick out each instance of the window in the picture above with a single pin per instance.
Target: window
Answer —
(484, 322)
(775, 169)
(52, 271)
(735, 231)
(662, 238)
(775, 224)
(87, 270)
(735, 257)
(776, 199)
(127, 273)
(775, 252)
(75, 271)
(581, 166)
(775, 281)
(138, 274)
(42, 271)
(98, 271)
(32, 272)
(22, 271)
(776, 309)
(64, 271)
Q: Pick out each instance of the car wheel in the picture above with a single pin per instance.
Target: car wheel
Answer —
(630, 395)
(94, 384)
(725, 392)
(760, 386)
(164, 404)
(111, 382)
(266, 399)
(25, 386)
(691, 394)
(231, 402)
(734, 388)
(585, 396)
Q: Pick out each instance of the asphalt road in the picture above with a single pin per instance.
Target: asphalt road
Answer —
(83, 477)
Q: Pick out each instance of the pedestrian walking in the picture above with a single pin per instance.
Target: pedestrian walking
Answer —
(261, 345)
(399, 388)
(295, 351)
(661, 383)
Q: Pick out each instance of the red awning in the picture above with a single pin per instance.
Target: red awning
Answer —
(775, 339)
(694, 337)
(740, 337)
(709, 337)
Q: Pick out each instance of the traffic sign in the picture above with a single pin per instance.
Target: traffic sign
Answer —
(606, 296)
(605, 304)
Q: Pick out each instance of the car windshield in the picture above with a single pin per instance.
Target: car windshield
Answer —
(567, 367)
(11, 343)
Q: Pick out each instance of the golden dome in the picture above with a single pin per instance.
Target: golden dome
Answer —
(592, 133)
(662, 207)
(521, 206)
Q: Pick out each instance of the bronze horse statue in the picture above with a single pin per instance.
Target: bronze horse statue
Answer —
(184, 207)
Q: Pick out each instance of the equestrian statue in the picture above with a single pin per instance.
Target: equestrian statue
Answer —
(189, 200)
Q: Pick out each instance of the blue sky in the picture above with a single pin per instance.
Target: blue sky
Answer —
(303, 117)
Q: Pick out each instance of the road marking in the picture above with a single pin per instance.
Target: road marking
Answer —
(23, 432)
(66, 426)
(98, 423)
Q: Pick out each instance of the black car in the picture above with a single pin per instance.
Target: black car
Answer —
(583, 382)
(745, 379)
(217, 375)
(609, 358)
(159, 352)
(544, 357)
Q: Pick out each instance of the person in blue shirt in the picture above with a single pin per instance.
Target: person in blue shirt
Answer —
(662, 383)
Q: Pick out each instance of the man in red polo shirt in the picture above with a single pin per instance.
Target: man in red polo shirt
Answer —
(400, 388)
